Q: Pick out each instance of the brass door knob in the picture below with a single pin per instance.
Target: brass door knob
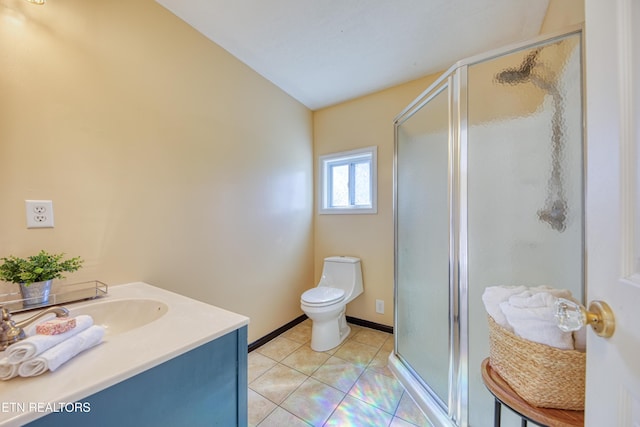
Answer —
(571, 316)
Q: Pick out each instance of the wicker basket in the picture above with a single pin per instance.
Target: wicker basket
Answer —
(543, 376)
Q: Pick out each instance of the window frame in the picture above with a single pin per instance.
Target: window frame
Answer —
(346, 158)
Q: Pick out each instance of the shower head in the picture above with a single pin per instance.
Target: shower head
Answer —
(555, 214)
(521, 74)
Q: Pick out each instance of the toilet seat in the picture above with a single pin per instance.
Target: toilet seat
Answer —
(322, 296)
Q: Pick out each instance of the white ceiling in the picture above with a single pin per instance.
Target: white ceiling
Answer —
(322, 52)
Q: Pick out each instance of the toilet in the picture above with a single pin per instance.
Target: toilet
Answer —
(325, 305)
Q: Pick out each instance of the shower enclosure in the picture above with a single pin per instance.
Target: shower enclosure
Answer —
(489, 168)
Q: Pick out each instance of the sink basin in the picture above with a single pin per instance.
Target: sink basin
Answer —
(122, 315)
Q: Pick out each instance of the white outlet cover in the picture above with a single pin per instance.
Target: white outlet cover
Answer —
(39, 213)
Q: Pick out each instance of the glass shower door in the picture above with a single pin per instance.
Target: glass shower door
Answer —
(422, 243)
(524, 185)
(488, 192)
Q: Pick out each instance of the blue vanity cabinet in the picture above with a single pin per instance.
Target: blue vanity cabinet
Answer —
(206, 386)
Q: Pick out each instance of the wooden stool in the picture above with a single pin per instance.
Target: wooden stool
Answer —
(504, 395)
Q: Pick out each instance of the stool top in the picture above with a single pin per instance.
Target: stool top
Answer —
(545, 416)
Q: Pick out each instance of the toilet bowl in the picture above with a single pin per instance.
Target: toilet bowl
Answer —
(326, 304)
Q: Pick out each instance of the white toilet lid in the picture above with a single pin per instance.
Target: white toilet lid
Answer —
(322, 295)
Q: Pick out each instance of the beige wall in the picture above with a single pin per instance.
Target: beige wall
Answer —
(167, 160)
(562, 14)
(361, 123)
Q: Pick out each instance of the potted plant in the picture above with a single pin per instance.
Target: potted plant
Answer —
(35, 273)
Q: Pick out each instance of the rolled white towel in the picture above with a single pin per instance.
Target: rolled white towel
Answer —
(579, 336)
(532, 316)
(59, 354)
(493, 296)
(36, 344)
(558, 293)
(580, 339)
(7, 370)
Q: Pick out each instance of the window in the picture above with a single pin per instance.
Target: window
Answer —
(348, 182)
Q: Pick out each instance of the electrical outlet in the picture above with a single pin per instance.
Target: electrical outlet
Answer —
(379, 306)
(39, 213)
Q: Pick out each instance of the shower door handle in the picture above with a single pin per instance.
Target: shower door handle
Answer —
(571, 316)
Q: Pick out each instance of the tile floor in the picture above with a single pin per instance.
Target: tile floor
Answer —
(291, 385)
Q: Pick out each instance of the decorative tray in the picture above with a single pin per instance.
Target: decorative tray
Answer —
(60, 294)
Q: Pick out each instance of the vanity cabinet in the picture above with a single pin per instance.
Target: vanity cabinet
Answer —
(206, 386)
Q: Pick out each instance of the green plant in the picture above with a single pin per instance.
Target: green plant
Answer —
(37, 268)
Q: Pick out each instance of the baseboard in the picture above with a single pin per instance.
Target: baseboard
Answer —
(365, 323)
(370, 325)
(262, 341)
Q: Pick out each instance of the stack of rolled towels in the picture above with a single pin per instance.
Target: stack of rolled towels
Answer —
(529, 312)
(48, 346)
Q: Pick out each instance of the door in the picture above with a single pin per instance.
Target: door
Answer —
(613, 213)
(422, 244)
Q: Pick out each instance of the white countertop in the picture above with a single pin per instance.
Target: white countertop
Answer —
(187, 324)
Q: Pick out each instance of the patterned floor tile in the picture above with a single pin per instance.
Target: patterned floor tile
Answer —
(278, 383)
(305, 360)
(279, 348)
(313, 402)
(378, 390)
(349, 385)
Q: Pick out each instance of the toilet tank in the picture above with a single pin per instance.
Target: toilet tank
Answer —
(343, 272)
